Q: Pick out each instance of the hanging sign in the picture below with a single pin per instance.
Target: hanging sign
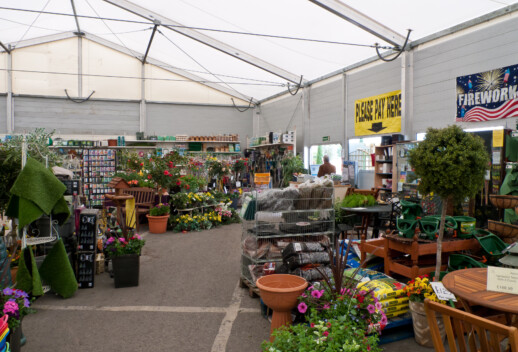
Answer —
(487, 96)
(378, 114)
(326, 139)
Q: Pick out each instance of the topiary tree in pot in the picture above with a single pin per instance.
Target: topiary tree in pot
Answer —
(452, 164)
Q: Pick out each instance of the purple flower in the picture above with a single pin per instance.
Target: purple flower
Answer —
(310, 288)
(8, 291)
(304, 295)
(26, 303)
(378, 306)
(316, 294)
(302, 307)
(371, 309)
(18, 294)
(110, 240)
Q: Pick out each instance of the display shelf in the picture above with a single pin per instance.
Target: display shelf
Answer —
(159, 141)
(33, 241)
(271, 145)
(202, 152)
(284, 235)
(102, 147)
(384, 167)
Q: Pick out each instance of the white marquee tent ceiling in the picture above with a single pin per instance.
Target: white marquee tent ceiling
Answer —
(290, 18)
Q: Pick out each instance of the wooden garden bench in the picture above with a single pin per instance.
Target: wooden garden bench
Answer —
(144, 201)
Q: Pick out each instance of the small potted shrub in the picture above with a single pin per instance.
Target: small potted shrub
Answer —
(15, 305)
(125, 256)
(158, 217)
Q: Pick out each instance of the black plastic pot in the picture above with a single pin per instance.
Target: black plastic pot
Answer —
(14, 338)
(126, 270)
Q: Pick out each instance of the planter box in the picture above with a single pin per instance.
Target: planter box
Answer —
(126, 269)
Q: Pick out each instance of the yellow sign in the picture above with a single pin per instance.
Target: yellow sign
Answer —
(378, 114)
(498, 138)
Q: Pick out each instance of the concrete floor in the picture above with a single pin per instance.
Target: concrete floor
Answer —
(188, 300)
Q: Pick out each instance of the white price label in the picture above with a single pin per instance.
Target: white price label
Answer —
(442, 293)
(502, 280)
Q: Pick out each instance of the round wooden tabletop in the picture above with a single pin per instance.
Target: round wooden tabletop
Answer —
(370, 210)
(471, 286)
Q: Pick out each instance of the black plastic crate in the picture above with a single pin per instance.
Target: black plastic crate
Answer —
(85, 269)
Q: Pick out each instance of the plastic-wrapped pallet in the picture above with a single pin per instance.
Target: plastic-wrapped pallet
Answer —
(307, 258)
(313, 274)
(384, 288)
(299, 247)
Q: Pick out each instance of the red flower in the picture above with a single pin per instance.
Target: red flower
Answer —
(312, 325)
(325, 333)
(141, 164)
(178, 183)
(149, 177)
(328, 325)
(361, 298)
(166, 172)
(187, 186)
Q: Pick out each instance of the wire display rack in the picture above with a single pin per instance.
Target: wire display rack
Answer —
(283, 216)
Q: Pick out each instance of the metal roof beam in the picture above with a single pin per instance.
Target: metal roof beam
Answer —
(79, 32)
(202, 38)
(363, 21)
(7, 50)
(150, 41)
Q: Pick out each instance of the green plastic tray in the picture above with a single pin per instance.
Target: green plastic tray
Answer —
(492, 246)
(461, 261)
(429, 228)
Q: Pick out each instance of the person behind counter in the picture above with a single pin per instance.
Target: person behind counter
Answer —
(326, 168)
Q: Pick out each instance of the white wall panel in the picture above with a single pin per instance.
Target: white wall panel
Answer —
(59, 56)
(436, 68)
(3, 73)
(171, 87)
(3, 114)
(283, 114)
(101, 60)
(326, 117)
(172, 119)
(66, 117)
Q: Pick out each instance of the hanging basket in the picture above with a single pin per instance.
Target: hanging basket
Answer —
(504, 202)
(422, 333)
(507, 232)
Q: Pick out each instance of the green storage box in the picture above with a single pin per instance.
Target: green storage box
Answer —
(465, 226)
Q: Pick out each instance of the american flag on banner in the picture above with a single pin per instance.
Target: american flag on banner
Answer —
(487, 96)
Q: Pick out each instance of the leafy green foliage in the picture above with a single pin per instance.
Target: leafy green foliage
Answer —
(450, 163)
(335, 334)
(358, 200)
(160, 210)
(290, 165)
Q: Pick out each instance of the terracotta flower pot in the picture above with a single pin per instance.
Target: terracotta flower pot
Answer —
(157, 224)
(280, 293)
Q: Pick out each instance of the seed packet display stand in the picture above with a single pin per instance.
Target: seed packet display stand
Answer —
(308, 216)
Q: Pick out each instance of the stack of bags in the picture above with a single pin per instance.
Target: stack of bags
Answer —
(4, 332)
(390, 293)
(303, 259)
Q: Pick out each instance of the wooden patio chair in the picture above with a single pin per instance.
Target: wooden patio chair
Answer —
(144, 200)
(481, 334)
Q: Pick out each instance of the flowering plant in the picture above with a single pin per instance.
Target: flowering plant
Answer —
(240, 165)
(16, 304)
(419, 289)
(360, 308)
(191, 183)
(334, 334)
(160, 210)
(120, 246)
(192, 200)
(186, 222)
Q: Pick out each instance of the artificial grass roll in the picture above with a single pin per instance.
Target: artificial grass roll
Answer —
(57, 271)
(28, 277)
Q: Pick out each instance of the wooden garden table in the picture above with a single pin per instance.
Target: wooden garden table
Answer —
(470, 287)
(366, 213)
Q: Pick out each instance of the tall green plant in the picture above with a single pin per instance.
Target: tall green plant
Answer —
(290, 165)
(452, 164)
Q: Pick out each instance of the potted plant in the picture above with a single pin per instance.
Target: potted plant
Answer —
(158, 217)
(15, 304)
(452, 164)
(417, 291)
(291, 165)
(125, 256)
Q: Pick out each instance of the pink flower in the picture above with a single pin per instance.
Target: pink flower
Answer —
(304, 295)
(325, 333)
(326, 306)
(378, 306)
(122, 240)
(310, 288)
(383, 320)
(302, 307)
(316, 294)
(312, 325)
(371, 309)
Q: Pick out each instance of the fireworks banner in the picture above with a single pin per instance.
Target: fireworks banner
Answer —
(486, 96)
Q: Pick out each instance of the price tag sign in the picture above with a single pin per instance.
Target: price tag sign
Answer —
(238, 184)
(502, 280)
(442, 293)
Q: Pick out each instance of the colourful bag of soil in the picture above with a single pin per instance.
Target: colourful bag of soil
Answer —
(384, 288)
